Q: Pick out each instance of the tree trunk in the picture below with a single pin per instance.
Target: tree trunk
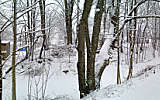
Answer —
(159, 40)
(68, 19)
(104, 24)
(1, 82)
(81, 35)
(14, 54)
(81, 61)
(34, 28)
(42, 12)
(94, 45)
(106, 62)
(115, 22)
(29, 29)
(132, 46)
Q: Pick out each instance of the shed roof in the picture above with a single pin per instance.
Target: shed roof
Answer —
(5, 42)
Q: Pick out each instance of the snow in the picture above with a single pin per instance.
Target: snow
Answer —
(59, 83)
(61, 86)
(97, 10)
(64, 86)
(5, 42)
(146, 88)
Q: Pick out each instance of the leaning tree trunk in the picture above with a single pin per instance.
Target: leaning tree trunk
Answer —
(14, 55)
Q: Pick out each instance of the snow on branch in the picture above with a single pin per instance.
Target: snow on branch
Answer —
(139, 17)
(9, 22)
(105, 60)
(4, 16)
(4, 2)
(140, 3)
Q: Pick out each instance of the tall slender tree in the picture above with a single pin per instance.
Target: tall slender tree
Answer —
(132, 43)
(42, 13)
(14, 53)
(33, 28)
(118, 41)
(115, 22)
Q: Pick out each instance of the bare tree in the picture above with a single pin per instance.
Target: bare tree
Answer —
(14, 53)
(42, 12)
(68, 19)
(93, 45)
(86, 87)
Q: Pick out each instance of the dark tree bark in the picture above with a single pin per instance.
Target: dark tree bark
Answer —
(154, 43)
(14, 54)
(93, 46)
(1, 82)
(100, 72)
(81, 35)
(115, 22)
(29, 24)
(118, 42)
(159, 40)
(42, 12)
(34, 28)
(68, 19)
(132, 44)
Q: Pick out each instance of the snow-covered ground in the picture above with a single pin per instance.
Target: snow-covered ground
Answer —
(64, 86)
(143, 87)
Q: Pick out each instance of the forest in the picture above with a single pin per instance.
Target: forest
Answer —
(79, 49)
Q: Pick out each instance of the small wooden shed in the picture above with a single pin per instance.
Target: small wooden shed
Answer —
(5, 49)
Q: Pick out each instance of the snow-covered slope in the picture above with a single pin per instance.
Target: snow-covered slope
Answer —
(143, 87)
